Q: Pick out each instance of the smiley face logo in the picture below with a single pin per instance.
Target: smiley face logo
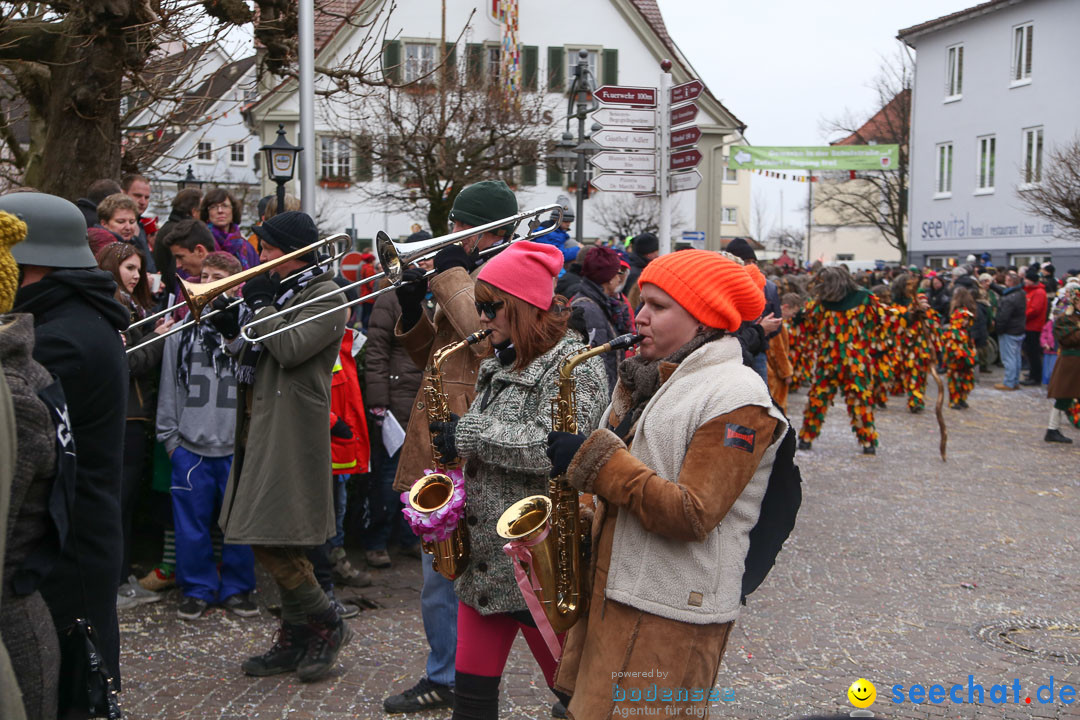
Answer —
(862, 693)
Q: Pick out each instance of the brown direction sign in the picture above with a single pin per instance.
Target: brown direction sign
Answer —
(683, 114)
(685, 159)
(686, 91)
(685, 136)
(624, 95)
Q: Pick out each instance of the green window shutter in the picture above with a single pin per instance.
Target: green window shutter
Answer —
(450, 61)
(364, 171)
(392, 61)
(554, 175)
(611, 67)
(474, 62)
(528, 174)
(530, 66)
(556, 70)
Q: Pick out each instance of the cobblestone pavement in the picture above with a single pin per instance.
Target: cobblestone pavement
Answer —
(896, 563)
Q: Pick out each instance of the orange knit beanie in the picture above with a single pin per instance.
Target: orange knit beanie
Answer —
(717, 291)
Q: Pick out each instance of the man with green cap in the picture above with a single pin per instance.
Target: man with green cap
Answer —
(455, 317)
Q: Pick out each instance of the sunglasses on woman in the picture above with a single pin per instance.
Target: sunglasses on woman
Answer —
(488, 309)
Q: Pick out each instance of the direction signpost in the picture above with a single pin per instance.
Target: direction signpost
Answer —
(625, 95)
(686, 91)
(640, 162)
(685, 181)
(613, 182)
(625, 117)
(683, 114)
(685, 136)
(636, 140)
(685, 159)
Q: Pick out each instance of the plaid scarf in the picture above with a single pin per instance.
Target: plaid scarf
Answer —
(245, 371)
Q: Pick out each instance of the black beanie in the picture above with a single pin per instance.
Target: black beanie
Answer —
(645, 243)
(288, 231)
(741, 249)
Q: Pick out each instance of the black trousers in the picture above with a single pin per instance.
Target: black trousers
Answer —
(1034, 353)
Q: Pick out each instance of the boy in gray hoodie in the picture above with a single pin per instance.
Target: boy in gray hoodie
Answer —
(196, 421)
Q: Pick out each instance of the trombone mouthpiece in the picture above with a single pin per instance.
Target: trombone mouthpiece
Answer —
(625, 341)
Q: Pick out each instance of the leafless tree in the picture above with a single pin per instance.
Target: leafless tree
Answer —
(788, 238)
(760, 219)
(875, 198)
(66, 68)
(1056, 196)
(625, 214)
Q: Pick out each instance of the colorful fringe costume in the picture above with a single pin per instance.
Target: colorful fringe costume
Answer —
(960, 356)
(843, 333)
(883, 351)
(801, 351)
(914, 340)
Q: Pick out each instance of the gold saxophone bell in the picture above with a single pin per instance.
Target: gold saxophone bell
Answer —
(428, 494)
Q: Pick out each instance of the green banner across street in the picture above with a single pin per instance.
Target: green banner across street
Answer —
(828, 157)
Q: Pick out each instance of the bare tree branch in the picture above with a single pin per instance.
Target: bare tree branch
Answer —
(1056, 196)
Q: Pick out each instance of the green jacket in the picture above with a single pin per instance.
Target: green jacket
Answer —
(504, 445)
(280, 490)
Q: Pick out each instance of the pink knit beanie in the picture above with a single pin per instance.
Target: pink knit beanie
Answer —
(526, 270)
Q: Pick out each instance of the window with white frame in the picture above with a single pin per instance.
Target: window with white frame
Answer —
(987, 151)
(205, 151)
(731, 175)
(1022, 261)
(1033, 151)
(335, 158)
(728, 215)
(572, 61)
(954, 72)
(1021, 56)
(237, 154)
(944, 170)
(419, 60)
(494, 63)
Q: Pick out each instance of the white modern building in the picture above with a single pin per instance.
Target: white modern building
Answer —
(625, 39)
(995, 91)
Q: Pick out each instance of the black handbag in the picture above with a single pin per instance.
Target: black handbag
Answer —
(86, 687)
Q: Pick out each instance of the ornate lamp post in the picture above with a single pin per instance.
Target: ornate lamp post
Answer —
(281, 163)
(569, 155)
(189, 181)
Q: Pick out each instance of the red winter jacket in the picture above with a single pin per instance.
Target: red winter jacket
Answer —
(354, 454)
(367, 269)
(1035, 317)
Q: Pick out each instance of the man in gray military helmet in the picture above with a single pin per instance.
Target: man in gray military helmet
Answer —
(77, 324)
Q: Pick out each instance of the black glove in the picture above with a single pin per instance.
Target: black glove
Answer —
(261, 290)
(225, 320)
(562, 446)
(442, 438)
(451, 257)
(341, 430)
(577, 322)
(410, 294)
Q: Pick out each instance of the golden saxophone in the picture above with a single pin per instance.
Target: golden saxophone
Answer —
(435, 490)
(557, 559)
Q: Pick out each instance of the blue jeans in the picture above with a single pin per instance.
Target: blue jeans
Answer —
(383, 520)
(198, 487)
(438, 606)
(761, 366)
(340, 502)
(1010, 357)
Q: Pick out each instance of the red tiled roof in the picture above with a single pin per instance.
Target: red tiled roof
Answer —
(650, 11)
(881, 128)
(330, 16)
(953, 17)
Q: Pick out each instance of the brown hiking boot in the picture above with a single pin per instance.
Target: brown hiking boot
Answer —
(344, 573)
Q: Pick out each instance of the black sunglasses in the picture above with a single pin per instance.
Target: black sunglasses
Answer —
(490, 309)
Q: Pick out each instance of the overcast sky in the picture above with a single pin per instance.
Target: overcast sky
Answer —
(782, 66)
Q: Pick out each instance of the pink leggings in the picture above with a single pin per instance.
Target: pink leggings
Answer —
(484, 641)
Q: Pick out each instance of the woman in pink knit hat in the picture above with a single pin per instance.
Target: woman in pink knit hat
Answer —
(502, 439)
(679, 466)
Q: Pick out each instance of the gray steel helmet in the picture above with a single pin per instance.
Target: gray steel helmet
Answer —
(55, 231)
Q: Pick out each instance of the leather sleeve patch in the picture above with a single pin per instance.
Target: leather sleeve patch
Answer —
(739, 437)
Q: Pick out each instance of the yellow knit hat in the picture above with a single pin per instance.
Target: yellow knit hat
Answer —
(716, 290)
(12, 232)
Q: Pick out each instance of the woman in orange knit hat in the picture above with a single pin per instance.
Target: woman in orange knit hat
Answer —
(678, 467)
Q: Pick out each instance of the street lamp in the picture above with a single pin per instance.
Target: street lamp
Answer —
(281, 163)
(189, 180)
(568, 155)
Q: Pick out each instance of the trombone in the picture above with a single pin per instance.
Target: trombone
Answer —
(395, 257)
(198, 295)
(340, 237)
